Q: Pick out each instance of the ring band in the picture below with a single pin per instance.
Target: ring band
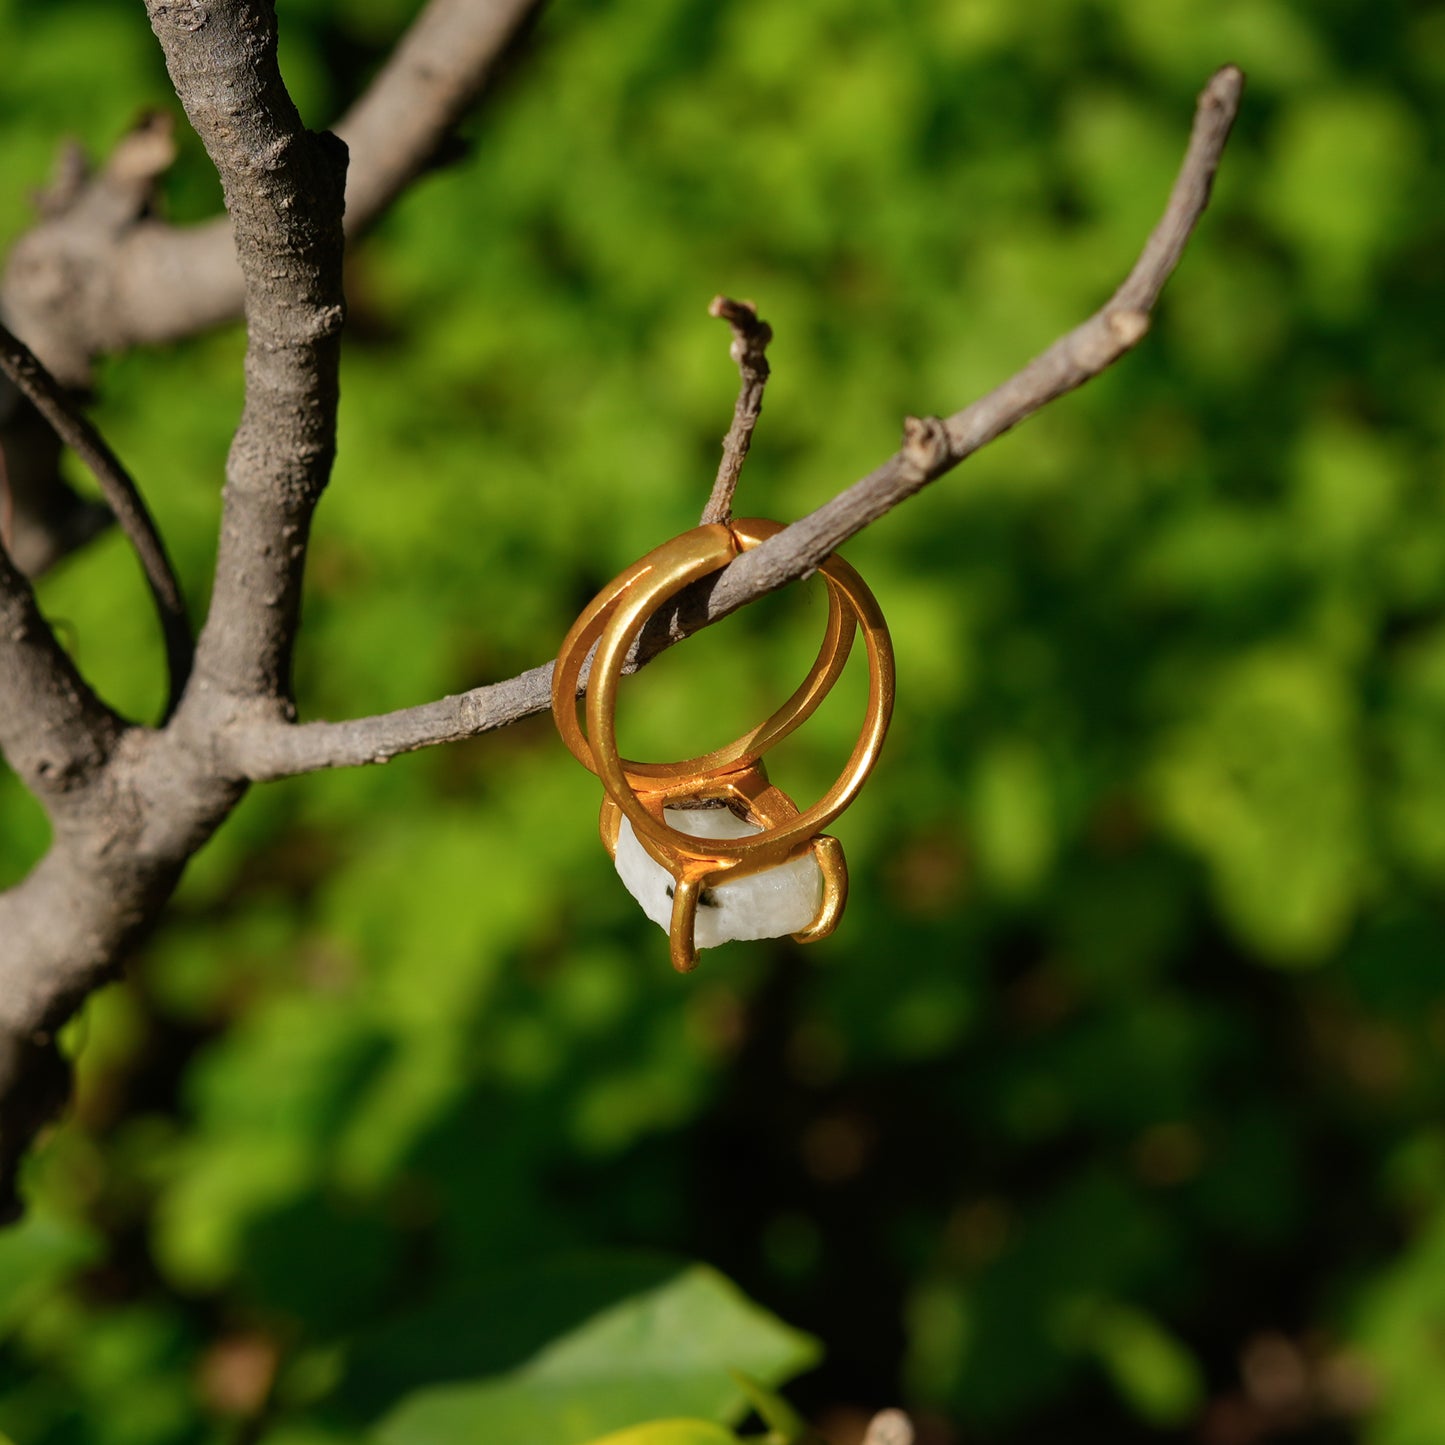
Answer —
(734, 773)
(722, 542)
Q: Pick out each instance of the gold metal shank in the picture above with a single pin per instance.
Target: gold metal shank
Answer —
(723, 543)
(733, 774)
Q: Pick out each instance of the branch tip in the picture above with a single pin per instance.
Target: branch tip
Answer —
(1225, 87)
(748, 350)
(145, 152)
(724, 308)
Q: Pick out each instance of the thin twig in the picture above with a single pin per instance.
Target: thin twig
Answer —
(54, 732)
(148, 282)
(100, 271)
(79, 433)
(268, 748)
(433, 77)
(7, 501)
(749, 349)
(932, 447)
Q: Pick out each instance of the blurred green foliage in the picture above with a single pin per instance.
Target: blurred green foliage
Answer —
(666, 1350)
(672, 1432)
(1115, 1110)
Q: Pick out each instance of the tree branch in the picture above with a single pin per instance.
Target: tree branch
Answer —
(77, 431)
(430, 82)
(66, 928)
(100, 273)
(261, 750)
(283, 187)
(54, 731)
(932, 447)
(749, 350)
(269, 748)
(45, 518)
(141, 803)
(130, 805)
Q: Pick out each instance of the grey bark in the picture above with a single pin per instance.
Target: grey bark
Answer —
(130, 805)
(67, 422)
(101, 272)
(751, 336)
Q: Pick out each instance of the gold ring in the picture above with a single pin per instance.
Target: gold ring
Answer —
(735, 773)
(718, 541)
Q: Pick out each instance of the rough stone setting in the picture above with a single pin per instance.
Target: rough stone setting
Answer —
(772, 904)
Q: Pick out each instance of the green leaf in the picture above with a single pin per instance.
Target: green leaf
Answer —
(1013, 815)
(1398, 1333)
(1151, 1369)
(1265, 782)
(665, 1349)
(785, 1425)
(671, 1432)
(35, 1257)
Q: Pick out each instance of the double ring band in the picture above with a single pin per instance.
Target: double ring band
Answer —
(734, 774)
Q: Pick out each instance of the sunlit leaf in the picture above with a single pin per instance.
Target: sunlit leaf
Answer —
(668, 1349)
(671, 1432)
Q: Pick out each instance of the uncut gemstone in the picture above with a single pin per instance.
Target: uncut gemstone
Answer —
(772, 904)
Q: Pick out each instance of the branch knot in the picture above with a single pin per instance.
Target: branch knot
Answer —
(188, 17)
(926, 449)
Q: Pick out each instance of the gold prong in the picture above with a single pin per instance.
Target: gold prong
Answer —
(834, 866)
(682, 943)
(735, 774)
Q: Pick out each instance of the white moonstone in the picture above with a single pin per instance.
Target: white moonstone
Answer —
(778, 901)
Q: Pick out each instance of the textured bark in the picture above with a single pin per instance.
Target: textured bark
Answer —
(750, 350)
(54, 731)
(130, 805)
(284, 189)
(100, 272)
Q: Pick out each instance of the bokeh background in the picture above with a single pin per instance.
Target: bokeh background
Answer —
(1113, 1112)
